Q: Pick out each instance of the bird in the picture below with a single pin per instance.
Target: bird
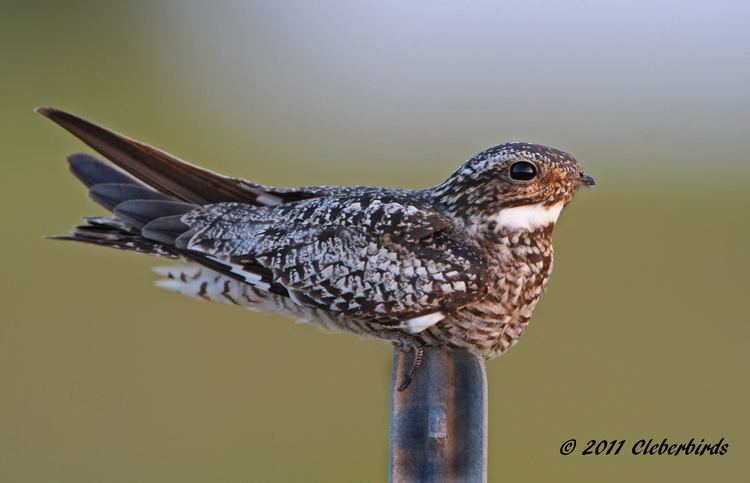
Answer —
(460, 265)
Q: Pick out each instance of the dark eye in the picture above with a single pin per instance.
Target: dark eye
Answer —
(522, 171)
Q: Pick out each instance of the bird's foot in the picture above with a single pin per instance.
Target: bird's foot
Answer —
(416, 363)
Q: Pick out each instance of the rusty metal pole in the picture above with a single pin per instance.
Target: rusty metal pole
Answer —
(439, 423)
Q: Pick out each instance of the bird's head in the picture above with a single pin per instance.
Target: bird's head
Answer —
(513, 185)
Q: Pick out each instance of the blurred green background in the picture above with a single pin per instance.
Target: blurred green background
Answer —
(644, 330)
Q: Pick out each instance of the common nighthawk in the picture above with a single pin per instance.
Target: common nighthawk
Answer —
(460, 265)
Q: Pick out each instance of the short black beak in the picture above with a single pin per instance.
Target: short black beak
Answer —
(586, 180)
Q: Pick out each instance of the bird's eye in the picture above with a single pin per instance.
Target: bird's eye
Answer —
(522, 171)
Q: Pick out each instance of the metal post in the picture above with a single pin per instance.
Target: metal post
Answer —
(439, 422)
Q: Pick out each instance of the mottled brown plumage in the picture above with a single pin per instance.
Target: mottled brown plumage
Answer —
(462, 264)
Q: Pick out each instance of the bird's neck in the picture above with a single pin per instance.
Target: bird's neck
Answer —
(515, 242)
(521, 256)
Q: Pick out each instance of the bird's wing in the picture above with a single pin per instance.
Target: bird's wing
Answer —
(349, 251)
(370, 260)
(171, 175)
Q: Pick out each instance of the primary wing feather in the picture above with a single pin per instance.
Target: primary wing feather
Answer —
(165, 172)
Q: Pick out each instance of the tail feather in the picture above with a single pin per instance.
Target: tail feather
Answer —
(110, 195)
(113, 237)
(166, 229)
(91, 171)
(137, 212)
(132, 203)
(134, 206)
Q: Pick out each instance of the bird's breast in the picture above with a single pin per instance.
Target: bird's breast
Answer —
(520, 263)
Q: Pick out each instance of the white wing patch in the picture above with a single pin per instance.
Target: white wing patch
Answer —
(263, 198)
(249, 277)
(418, 324)
(528, 217)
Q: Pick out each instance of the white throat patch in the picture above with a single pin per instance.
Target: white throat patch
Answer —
(528, 217)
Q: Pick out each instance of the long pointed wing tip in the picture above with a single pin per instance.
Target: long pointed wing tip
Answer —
(46, 111)
(57, 115)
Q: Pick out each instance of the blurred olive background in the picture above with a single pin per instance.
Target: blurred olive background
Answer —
(643, 333)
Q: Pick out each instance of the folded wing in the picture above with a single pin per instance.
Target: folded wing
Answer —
(366, 254)
(383, 261)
